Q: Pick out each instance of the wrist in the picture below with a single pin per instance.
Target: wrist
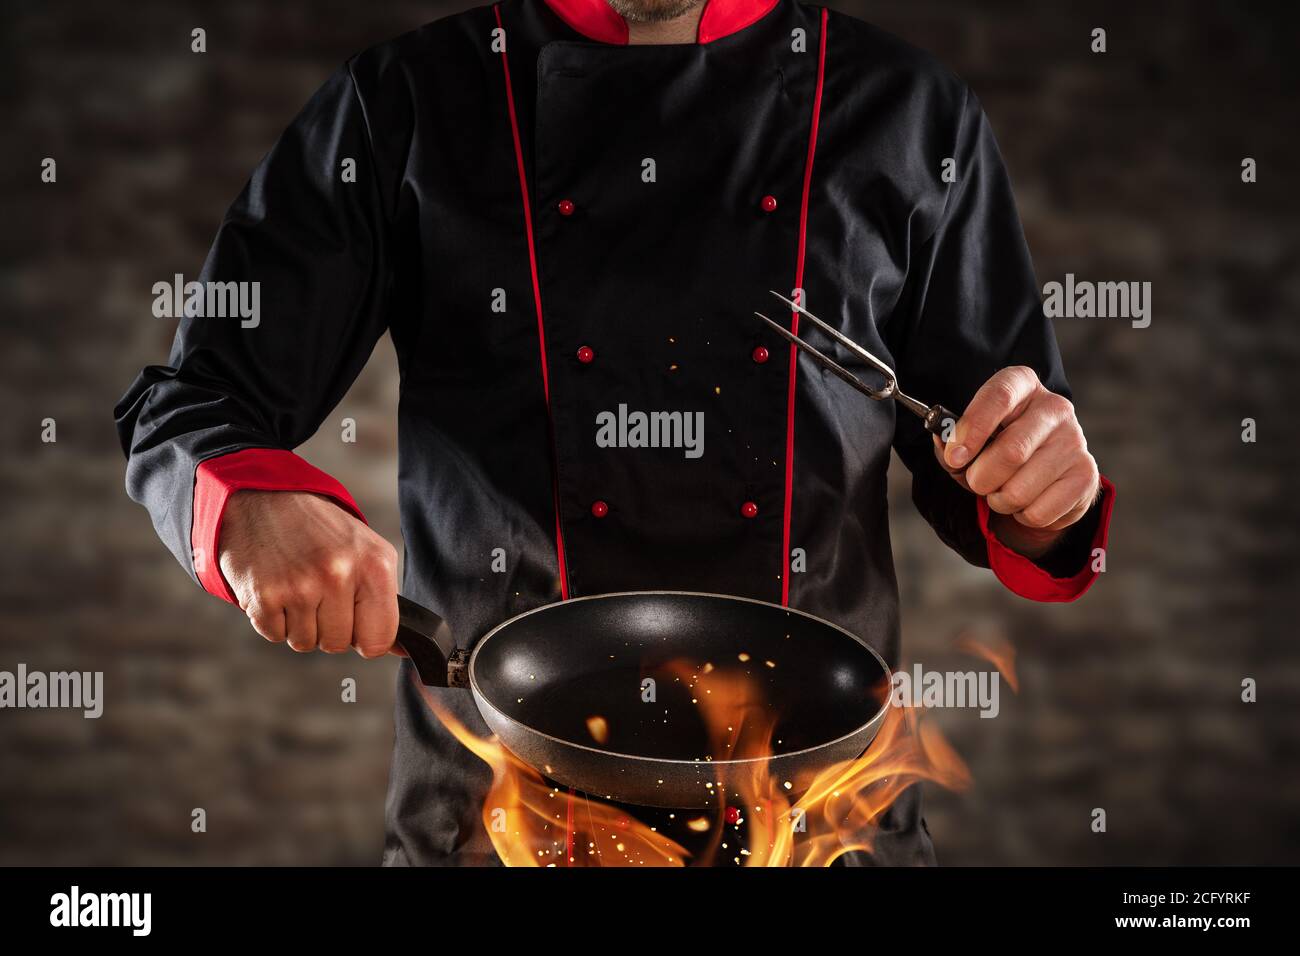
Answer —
(248, 475)
(1032, 543)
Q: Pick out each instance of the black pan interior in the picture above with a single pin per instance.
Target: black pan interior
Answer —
(557, 669)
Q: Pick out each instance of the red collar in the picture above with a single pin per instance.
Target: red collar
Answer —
(596, 20)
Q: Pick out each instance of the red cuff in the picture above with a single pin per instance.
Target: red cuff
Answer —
(1020, 575)
(259, 469)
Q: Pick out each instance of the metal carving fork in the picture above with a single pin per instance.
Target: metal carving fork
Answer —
(937, 419)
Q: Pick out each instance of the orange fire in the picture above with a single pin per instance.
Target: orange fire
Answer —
(532, 823)
(840, 811)
(999, 652)
(761, 822)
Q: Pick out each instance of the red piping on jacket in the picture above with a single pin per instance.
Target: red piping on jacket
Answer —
(537, 304)
(546, 382)
(794, 316)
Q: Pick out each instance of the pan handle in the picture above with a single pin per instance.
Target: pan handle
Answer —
(427, 640)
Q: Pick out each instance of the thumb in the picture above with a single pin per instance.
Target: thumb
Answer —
(957, 474)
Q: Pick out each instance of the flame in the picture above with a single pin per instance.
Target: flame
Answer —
(761, 821)
(1000, 653)
(841, 809)
(532, 823)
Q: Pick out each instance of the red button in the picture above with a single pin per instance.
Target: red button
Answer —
(586, 355)
(749, 509)
(599, 509)
(760, 354)
(769, 204)
(565, 206)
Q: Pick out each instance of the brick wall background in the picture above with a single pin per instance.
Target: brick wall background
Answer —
(1126, 167)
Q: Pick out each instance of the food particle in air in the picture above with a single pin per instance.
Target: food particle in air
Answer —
(598, 727)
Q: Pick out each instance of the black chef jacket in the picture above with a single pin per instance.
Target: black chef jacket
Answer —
(553, 225)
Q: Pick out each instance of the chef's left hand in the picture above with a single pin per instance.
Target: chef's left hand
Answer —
(1036, 473)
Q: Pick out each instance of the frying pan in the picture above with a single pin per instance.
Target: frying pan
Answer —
(545, 678)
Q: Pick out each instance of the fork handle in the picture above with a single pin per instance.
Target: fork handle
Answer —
(938, 420)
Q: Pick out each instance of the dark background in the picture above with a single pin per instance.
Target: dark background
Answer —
(1126, 167)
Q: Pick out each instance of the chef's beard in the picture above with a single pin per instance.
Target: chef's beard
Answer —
(652, 11)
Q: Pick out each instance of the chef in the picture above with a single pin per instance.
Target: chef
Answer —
(565, 212)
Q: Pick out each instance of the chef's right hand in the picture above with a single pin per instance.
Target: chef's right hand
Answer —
(307, 572)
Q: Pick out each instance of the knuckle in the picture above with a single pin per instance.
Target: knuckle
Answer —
(1012, 499)
(1076, 443)
(1083, 471)
(1005, 390)
(379, 558)
(1022, 380)
(1025, 373)
(1035, 517)
(1090, 485)
(335, 570)
(1002, 394)
(267, 625)
(1014, 451)
(299, 593)
(258, 613)
(1059, 404)
(372, 643)
(377, 572)
(982, 425)
(270, 596)
(995, 503)
(978, 482)
(374, 636)
(978, 424)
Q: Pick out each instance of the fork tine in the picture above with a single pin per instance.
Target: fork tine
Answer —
(828, 363)
(840, 337)
(825, 327)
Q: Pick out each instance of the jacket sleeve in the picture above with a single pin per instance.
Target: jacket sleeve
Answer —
(306, 248)
(970, 307)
